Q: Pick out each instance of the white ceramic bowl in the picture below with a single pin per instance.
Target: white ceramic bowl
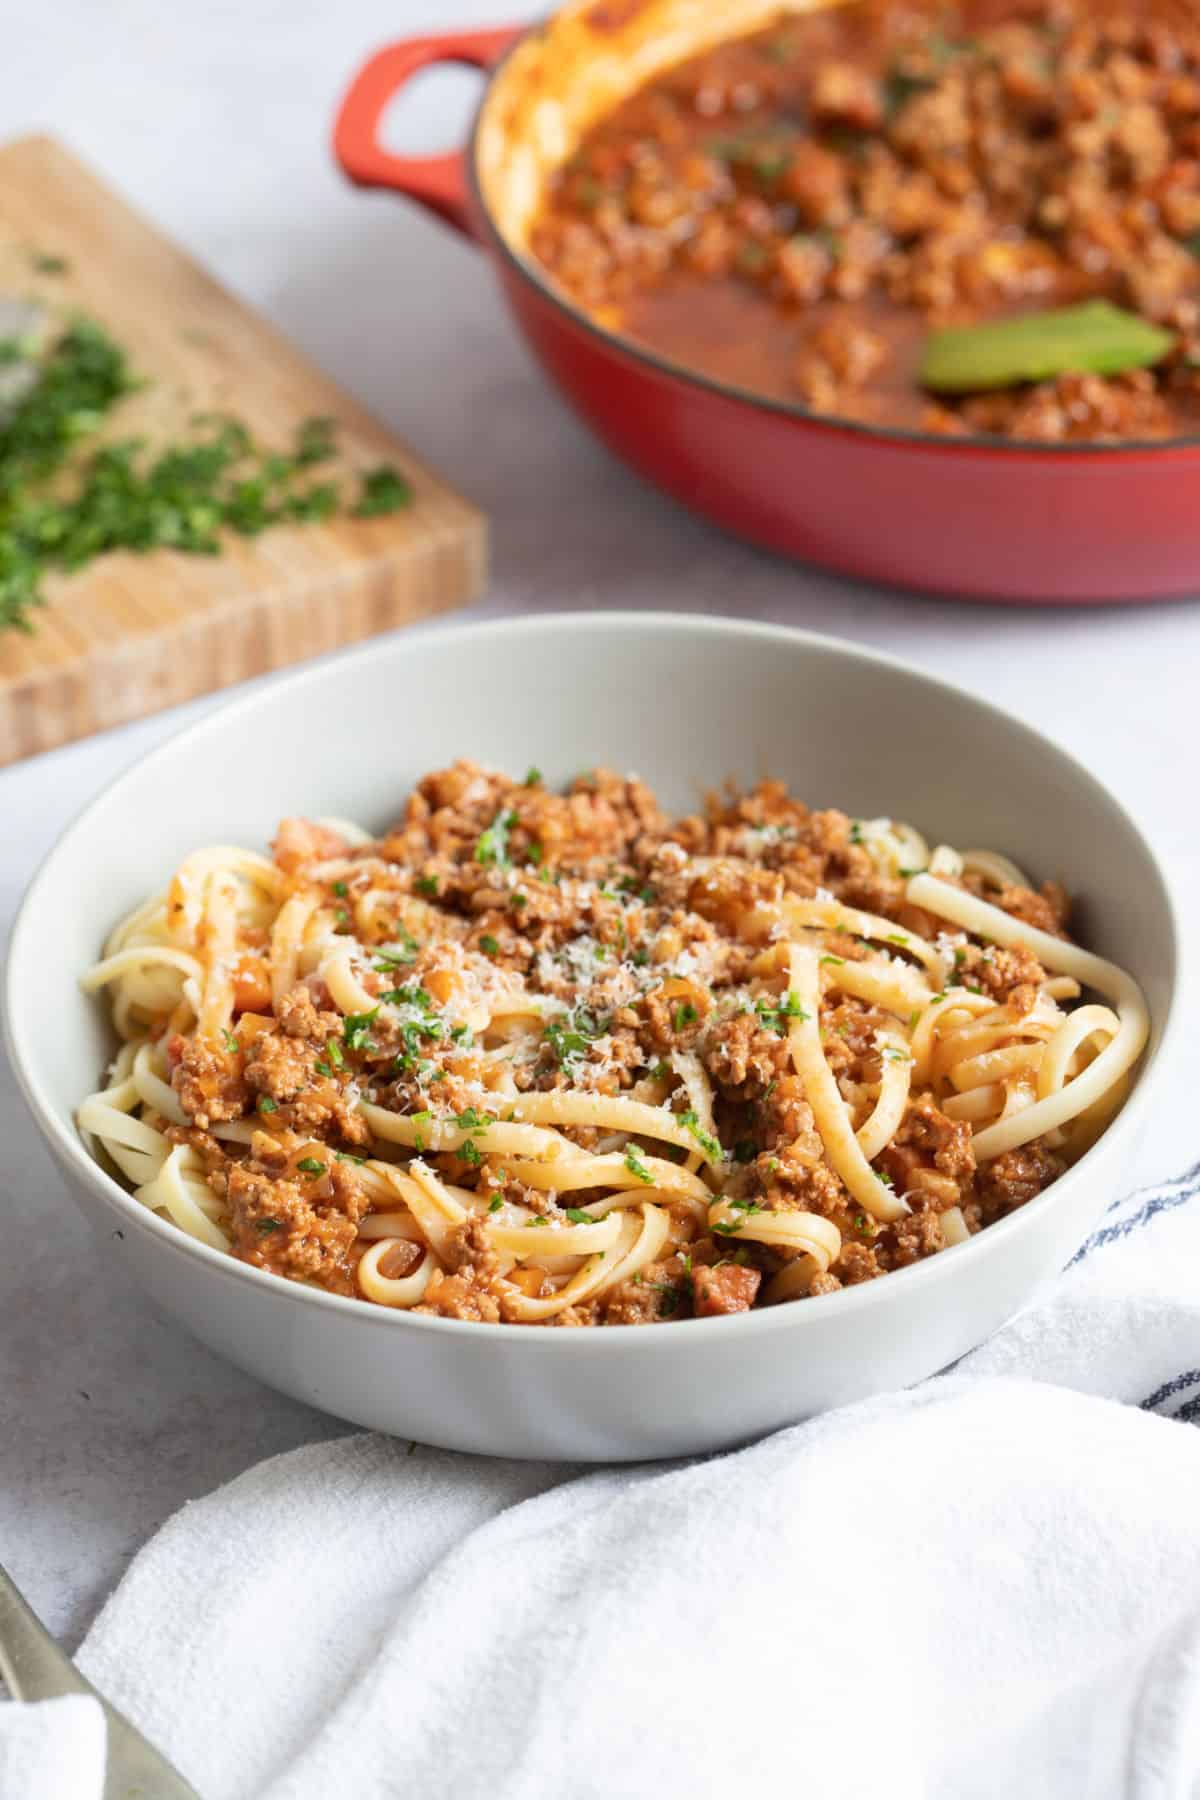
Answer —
(685, 703)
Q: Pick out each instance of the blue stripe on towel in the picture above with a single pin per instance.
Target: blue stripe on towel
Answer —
(1161, 1199)
(1169, 1388)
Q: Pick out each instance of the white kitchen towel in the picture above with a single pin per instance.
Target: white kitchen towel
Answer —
(52, 1748)
(988, 1586)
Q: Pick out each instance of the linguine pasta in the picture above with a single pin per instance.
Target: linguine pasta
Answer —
(557, 1059)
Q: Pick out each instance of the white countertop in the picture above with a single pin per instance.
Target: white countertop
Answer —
(215, 120)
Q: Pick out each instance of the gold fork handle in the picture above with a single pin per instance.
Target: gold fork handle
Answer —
(31, 1663)
(34, 1668)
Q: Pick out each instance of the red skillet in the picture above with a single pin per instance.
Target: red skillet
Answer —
(971, 518)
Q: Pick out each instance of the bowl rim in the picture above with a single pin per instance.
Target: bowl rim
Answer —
(980, 443)
(72, 1154)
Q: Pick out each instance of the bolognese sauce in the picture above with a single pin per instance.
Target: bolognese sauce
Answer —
(544, 1057)
(796, 212)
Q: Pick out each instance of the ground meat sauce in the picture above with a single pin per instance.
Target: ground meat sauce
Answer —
(631, 929)
(793, 212)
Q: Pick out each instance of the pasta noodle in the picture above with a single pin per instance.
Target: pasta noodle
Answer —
(548, 1059)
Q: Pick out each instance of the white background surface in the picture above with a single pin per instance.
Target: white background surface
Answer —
(215, 120)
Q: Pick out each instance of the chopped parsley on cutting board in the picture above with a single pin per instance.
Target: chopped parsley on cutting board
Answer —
(71, 488)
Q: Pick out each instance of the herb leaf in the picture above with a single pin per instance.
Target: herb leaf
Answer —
(705, 1139)
(384, 490)
(356, 1027)
(775, 1017)
(492, 844)
(636, 1166)
(569, 1037)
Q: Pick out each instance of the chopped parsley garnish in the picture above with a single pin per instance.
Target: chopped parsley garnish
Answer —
(705, 1139)
(310, 1165)
(885, 1178)
(427, 885)
(472, 1120)
(898, 937)
(356, 1029)
(534, 854)
(774, 1016)
(397, 959)
(340, 889)
(315, 441)
(537, 1219)
(333, 1051)
(495, 1203)
(765, 155)
(640, 958)
(383, 491)
(669, 1298)
(751, 257)
(345, 1156)
(856, 836)
(744, 1150)
(413, 994)
(894, 1055)
(231, 1043)
(533, 777)
(838, 961)
(265, 1104)
(636, 1166)
(322, 1068)
(265, 1225)
(492, 844)
(577, 1216)
(632, 886)
(684, 1015)
(489, 945)
(570, 1036)
(519, 901)
(420, 1119)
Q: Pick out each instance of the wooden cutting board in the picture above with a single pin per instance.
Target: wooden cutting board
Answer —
(132, 633)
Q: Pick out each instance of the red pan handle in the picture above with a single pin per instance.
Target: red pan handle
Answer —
(437, 182)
